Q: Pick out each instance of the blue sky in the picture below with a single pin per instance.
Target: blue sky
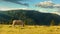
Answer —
(32, 2)
(31, 5)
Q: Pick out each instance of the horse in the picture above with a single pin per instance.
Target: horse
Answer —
(18, 22)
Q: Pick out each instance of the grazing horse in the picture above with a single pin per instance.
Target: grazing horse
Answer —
(19, 22)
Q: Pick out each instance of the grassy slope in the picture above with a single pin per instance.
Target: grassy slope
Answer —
(7, 29)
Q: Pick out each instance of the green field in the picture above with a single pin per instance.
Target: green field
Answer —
(7, 29)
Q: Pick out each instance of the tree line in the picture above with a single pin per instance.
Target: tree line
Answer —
(30, 17)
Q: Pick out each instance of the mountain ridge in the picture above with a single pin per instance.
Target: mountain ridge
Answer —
(36, 17)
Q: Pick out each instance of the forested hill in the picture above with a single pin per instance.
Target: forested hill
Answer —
(30, 17)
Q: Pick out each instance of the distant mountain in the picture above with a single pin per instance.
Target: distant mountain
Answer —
(30, 17)
(44, 18)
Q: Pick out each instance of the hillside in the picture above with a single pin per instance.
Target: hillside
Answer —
(30, 17)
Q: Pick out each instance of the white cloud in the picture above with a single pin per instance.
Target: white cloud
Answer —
(45, 4)
(3, 8)
(56, 5)
(48, 4)
(7, 8)
(50, 7)
(55, 13)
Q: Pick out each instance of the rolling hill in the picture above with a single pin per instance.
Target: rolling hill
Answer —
(30, 17)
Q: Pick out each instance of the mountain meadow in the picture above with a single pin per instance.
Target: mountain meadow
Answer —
(35, 22)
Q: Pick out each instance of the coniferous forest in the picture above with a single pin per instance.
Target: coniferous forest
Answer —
(30, 17)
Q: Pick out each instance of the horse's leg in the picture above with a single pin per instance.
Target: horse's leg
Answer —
(13, 24)
(23, 24)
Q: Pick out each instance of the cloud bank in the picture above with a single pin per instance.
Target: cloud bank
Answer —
(17, 2)
(7, 9)
(47, 4)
